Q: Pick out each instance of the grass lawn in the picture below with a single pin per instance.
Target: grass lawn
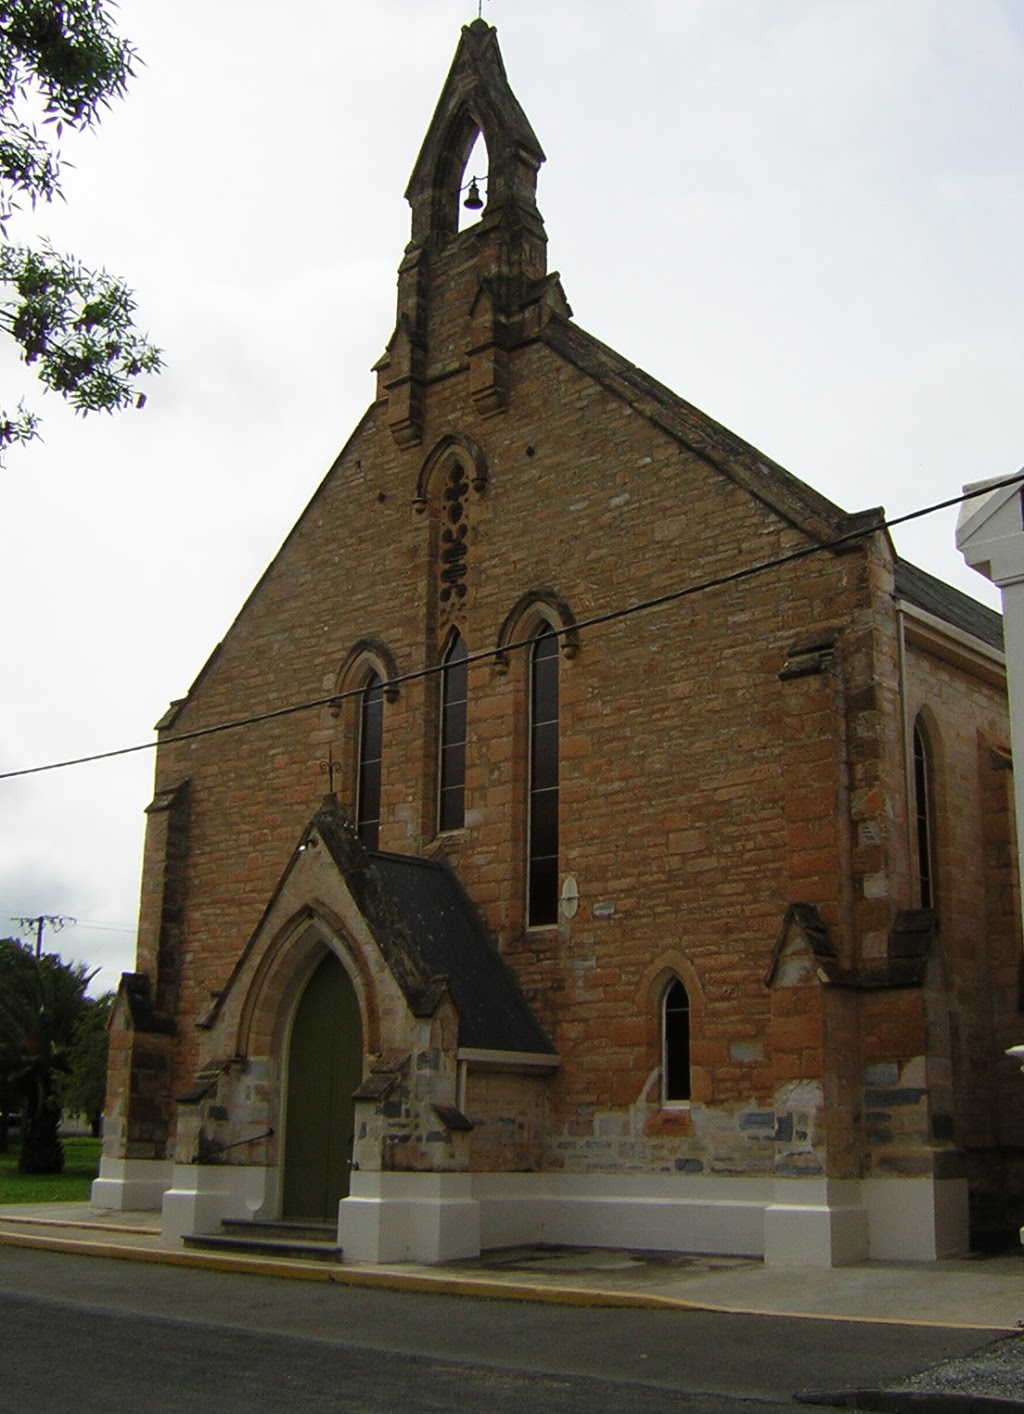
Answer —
(81, 1165)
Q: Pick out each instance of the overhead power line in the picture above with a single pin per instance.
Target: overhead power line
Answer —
(55, 921)
(671, 596)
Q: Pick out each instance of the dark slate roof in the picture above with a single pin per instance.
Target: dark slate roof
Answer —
(948, 604)
(453, 942)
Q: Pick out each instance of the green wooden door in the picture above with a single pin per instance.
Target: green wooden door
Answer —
(325, 1066)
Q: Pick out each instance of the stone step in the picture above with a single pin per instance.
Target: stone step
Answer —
(285, 1229)
(263, 1247)
(254, 1240)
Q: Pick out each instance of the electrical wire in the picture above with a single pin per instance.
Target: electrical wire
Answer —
(670, 596)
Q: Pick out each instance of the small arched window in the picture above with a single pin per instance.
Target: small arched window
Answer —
(454, 681)
(543, 821)
(371, 750)
(924, 816)
(675, 1044)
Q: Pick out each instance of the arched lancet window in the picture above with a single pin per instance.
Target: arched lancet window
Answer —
(924, 816)
(452, 794)
(371, 750)
(675, 1044)
(543, 821)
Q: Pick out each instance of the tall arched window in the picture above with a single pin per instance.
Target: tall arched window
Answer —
(452, 794)
(543, 822)
(371, 747)
(675, 1043)
(924, 814)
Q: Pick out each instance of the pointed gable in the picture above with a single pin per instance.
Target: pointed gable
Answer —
(417, 916)
(476, 98)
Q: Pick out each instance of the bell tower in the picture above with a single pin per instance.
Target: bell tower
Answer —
(476, 99)
(465, 298)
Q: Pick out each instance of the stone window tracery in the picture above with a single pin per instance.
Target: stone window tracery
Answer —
(452, 542)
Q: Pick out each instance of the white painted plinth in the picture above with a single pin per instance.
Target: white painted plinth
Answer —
(131, 1185)
(1017, 1052)
(408, 1217)
(432, 1217)
(201, 1196)
(815, 1223)
(646, 1212)
(917, 1219)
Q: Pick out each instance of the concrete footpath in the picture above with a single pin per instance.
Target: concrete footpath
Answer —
(982, 1293)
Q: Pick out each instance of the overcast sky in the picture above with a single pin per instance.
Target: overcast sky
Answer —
(805, 216)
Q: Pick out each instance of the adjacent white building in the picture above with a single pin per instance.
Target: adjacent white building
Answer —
(990, 536)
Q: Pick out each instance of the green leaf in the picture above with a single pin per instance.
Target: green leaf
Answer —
(74, 326)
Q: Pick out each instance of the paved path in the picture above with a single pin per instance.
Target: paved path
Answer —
(970, 1303)
(203, 1337)
(985, 1293)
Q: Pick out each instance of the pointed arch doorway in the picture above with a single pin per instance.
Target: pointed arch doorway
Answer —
(325, 1066)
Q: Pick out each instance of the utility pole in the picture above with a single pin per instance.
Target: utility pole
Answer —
(57, 921)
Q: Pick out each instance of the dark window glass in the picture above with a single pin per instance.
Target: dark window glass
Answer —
(544, 824)
(542, 903)
(373, 724)
(543, 892)
(455, 722)
(923, 812)
(545, 680)
(371, 738)
(453, 768)
(454, 683)
(676, 1043)
(545, 756)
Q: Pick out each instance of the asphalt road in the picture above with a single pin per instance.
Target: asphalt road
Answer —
(91, 1334)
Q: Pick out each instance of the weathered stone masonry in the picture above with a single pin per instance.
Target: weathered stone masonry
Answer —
(737, 813)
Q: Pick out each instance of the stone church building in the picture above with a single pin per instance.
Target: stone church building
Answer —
(617, 846)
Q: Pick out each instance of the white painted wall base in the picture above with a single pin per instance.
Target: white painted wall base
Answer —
(917, 1219)
(131, 1185)
(790, 1222)
(437, 1217)
(202, 1195)
(408, 1217)
(815, 1222)
(648, 1212)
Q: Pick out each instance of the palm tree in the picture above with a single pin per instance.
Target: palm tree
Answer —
(41, 999)
(83, 1090)
(11, 955)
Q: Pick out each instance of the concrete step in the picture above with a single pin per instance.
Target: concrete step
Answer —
(284, 1229)
(305, 1241)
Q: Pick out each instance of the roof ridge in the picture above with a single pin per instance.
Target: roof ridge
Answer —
(792, 498)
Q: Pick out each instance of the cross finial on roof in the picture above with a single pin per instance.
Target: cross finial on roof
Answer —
(328, 768)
